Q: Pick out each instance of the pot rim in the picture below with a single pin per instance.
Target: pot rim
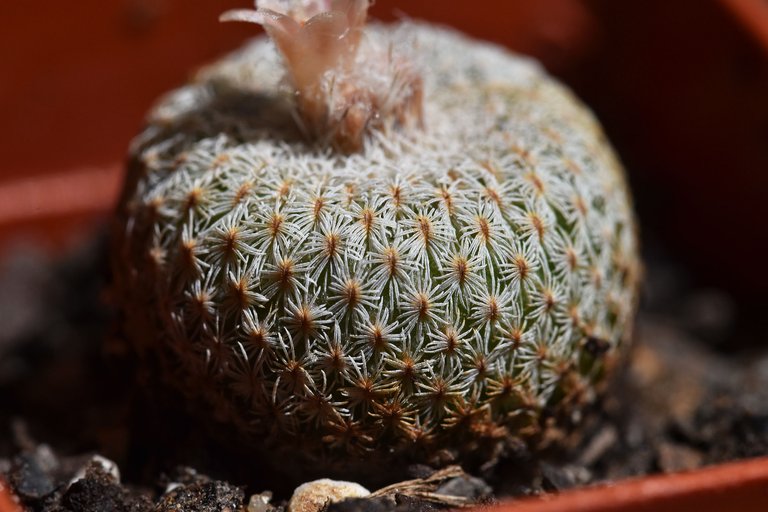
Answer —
(740, 485)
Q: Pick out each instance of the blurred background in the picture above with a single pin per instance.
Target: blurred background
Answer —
(681, 88)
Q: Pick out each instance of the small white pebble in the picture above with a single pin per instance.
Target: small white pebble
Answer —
(313, 496)
(171, 487)
(260, 502)
(107, 466)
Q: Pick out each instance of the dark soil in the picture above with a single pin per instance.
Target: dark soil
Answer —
(685, 399)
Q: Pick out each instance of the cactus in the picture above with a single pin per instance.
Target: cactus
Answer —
(420, 242)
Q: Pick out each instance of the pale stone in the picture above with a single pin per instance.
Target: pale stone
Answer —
(260, 502)
(106, 465)
(313, 496)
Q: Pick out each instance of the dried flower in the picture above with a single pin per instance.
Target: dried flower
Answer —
(342, 90)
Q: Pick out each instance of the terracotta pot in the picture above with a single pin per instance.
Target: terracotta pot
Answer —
(7, 500)
(72, 98)
(753, 16)
(681, 90)
(55, 209)
(738, 486)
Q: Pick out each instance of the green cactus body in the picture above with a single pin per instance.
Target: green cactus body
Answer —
(439, 286)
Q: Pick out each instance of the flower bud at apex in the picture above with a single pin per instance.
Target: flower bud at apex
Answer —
(344, 88)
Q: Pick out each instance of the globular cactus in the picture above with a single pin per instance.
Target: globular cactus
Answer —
(408, 241)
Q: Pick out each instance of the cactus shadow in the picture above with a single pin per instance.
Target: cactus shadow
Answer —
(211, 110)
